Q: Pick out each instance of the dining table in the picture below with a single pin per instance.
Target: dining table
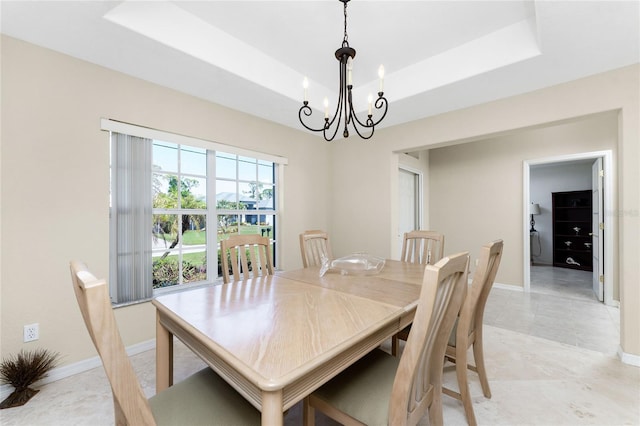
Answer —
(277, 338)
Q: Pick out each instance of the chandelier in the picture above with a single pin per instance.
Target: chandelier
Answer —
(345, 55)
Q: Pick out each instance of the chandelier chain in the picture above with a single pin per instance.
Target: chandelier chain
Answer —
(346, 36)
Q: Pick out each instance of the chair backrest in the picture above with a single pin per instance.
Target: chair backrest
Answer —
(483, 278)
(130, 404)
(418, 379)
(314, 245)
(249, 256)
(425, 247)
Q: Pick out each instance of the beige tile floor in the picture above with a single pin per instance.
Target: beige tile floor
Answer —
(550, 359)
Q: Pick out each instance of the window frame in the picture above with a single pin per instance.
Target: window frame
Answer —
(212, 148)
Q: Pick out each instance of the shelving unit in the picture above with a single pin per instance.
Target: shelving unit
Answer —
(572, 224)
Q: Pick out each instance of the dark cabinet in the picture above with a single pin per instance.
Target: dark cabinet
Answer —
(572, 227)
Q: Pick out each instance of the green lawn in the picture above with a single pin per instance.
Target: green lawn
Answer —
(191, 238)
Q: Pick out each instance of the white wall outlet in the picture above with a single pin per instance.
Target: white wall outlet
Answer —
(31, 332)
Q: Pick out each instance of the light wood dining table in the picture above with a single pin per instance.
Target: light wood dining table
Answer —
(277, 338)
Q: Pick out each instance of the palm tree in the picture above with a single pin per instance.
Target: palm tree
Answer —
(178, 195)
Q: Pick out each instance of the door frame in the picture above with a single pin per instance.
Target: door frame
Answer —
(607, 167)
(396, 248)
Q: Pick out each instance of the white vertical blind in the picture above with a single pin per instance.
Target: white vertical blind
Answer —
(132, 218)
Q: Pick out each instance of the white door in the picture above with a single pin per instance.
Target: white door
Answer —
(598, 231)
(408, 195)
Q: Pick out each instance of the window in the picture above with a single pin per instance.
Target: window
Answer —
(173, 199)
(180, 214)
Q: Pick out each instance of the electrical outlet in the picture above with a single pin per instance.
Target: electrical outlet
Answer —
(31, 332)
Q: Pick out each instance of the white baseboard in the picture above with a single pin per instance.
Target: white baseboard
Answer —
(508, 287)
(79, 367)
(630, 359)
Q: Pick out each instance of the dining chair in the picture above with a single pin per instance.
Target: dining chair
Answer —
(314, 245)
(202, 398)
(467, 330)
(248, 256)
(426, 248)
(385, 389)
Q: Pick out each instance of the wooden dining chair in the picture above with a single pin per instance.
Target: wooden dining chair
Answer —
(384, 389)
(245, 256)
(314, 245)
(203, 398)
(467, 330)
(423, 247)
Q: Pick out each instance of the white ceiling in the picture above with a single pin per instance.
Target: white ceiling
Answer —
(253, 55)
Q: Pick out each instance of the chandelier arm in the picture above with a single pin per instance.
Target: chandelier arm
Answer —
(341, 101)
(362, 136)
(307, 111)
(341, 94)
(337, 115)
(380, 102)
(328, 127)
(369, 124)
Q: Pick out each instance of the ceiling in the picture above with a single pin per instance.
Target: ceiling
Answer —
(253, 55)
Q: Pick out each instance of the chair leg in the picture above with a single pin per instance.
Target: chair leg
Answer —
(395, 345)
(308, 413)
(478, 354)
(435, 408)
(463, 384)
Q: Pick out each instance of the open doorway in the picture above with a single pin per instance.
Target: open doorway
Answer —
(410, 201)
(586, 271)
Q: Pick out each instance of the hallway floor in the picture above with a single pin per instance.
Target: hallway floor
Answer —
(550, 354)
(561, 307)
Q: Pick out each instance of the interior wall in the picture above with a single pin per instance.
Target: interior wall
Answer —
(490, 207)
(544, 180)
(55, 185)
(368, 186)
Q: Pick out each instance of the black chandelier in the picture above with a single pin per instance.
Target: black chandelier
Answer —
(345, 55)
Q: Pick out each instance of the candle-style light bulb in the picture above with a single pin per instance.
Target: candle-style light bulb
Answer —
(381, 75)
(305, 84)
(370, 102)
(349, 69)
(326, 107)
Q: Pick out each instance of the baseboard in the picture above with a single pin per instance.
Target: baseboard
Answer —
(508, 287)
(630, 359)
(79, 367)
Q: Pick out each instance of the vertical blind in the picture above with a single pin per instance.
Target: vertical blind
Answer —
(131, 206)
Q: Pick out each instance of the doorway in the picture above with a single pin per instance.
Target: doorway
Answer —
(410, 202)
(601, 277)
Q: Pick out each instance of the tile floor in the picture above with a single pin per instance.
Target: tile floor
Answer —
(561, 307)
(550, 359)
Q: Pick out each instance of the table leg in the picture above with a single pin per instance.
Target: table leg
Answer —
(272, 408)
(164, 356)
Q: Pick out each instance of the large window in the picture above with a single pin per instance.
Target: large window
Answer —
(180, 214)
(173, 201)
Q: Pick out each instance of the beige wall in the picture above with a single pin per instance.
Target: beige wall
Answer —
(368, 187)
(55, 184)
(481, 184)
